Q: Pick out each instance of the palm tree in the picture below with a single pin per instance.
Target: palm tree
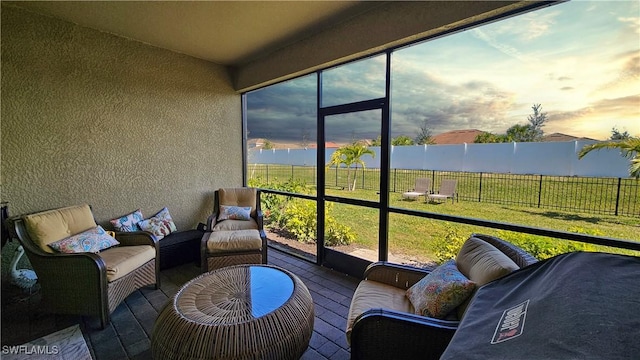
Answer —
(349, 155)
(629, 148)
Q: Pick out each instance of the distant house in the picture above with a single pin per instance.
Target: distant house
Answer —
(259, 143)
(255, 143)
(563, 137)
(457, 137)
(327, 145)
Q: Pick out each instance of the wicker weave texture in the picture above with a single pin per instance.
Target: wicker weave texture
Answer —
(519, 256)
(209, 318)
(123, 287)
(218, 262)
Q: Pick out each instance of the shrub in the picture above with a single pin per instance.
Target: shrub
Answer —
(448, 247)
(299, 219)
(337, 234)
(539, 246)
(273, 204)
(297, 216)
(543, 247)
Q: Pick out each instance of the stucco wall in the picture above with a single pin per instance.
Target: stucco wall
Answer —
(88, 117)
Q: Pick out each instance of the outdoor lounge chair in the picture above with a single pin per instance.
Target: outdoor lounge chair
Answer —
(422, 187)
(447, 190)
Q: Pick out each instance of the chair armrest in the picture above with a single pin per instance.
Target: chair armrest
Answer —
(388, 334)
(260, 219)
(66, 273)
(66, 263)
(136, 238)
(212, 220)
(400, 276)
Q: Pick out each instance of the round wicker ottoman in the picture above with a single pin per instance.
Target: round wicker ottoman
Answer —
(237, 312)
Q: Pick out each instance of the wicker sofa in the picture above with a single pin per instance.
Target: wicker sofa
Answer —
(382, 323)
(85, 283)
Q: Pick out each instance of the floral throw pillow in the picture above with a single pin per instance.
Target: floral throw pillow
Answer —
(440, 291)
(92, 240)
(128, 222)
(160, 224)
(234, 213)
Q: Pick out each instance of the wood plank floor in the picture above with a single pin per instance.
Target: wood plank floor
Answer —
(128, 334)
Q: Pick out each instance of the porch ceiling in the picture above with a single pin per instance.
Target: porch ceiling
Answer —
(225, 32)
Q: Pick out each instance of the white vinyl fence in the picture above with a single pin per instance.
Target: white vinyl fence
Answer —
(540, 158)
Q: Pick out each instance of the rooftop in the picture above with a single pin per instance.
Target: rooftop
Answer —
(564, 137)
(457, 137)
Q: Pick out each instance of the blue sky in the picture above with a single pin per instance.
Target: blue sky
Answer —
(580, 60)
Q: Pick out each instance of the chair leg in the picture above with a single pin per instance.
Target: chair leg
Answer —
(204, 260)
(263, 237)
(104, 321)
(204, 267)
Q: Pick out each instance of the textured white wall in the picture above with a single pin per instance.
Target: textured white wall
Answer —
(88, 117)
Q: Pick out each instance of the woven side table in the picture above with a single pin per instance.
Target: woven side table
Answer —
(237, 312)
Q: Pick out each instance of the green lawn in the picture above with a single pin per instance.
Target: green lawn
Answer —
(419, 238)
(584, 194)
(414, 236)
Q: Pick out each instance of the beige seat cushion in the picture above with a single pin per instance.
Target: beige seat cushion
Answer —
(122, 260)
(229, 225)
(50, 226)
(371, 295)
(481, 262)
(239, 240)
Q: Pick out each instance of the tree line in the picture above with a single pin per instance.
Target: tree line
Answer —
(532, 131)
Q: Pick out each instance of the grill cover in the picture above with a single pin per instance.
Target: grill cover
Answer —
(573, 306)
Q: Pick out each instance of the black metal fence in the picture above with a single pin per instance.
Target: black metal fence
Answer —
(609, 196)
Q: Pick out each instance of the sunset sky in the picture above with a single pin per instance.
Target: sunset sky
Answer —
(580, 60)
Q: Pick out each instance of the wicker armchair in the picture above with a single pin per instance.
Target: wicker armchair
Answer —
(88, 284)
(237, 253)
(236, 197)
(384, 333)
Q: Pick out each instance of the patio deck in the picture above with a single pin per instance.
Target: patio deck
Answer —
(128, 334)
